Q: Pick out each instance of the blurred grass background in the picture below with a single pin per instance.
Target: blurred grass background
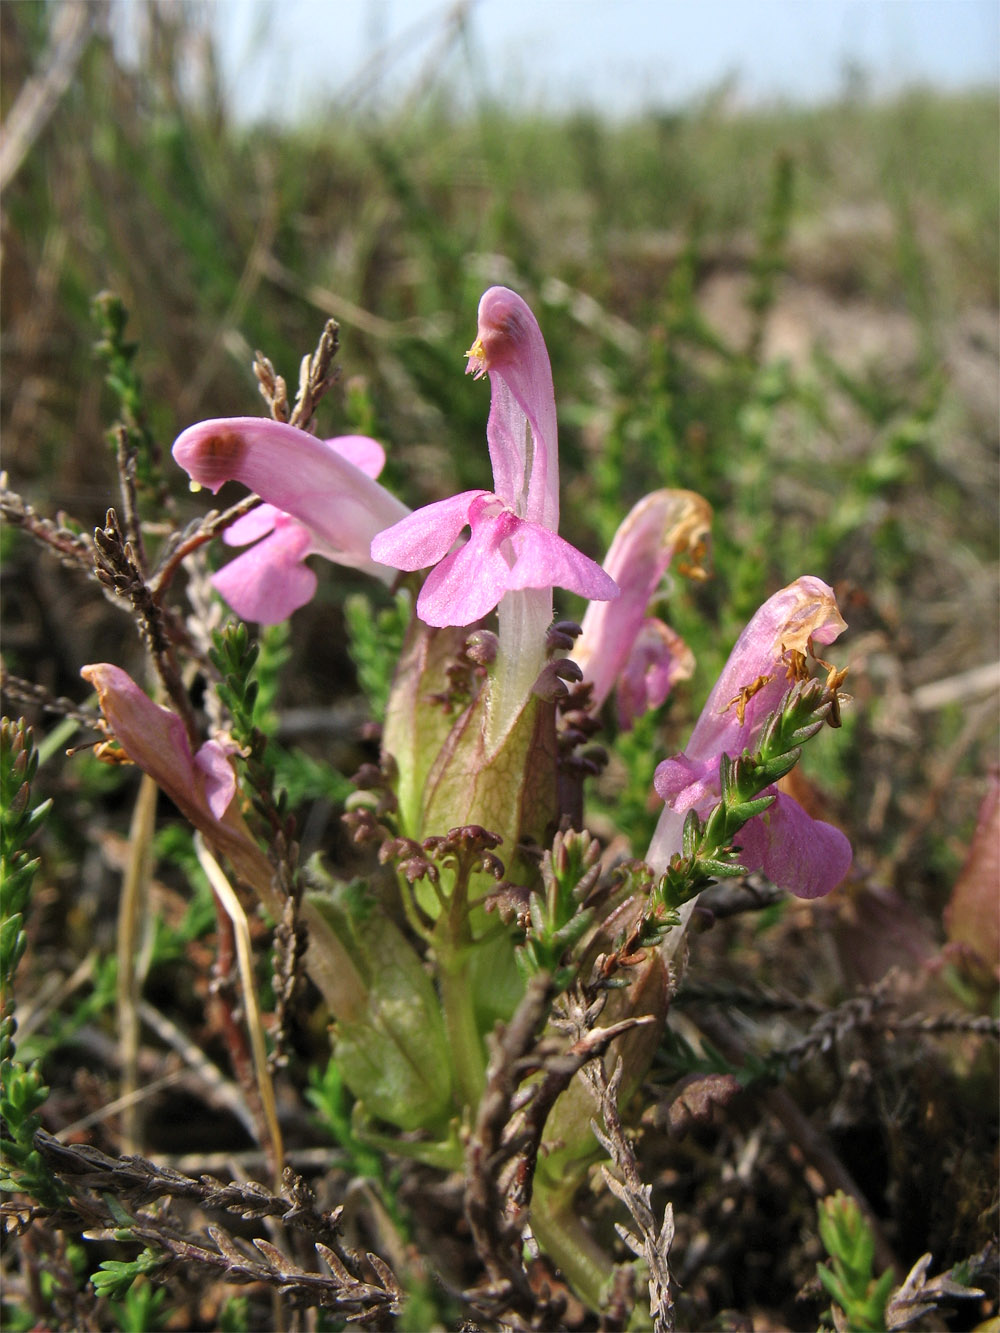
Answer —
(792, 311)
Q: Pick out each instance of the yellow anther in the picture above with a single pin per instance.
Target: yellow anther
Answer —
(745, 695)
(110, 752)
(478, 352)
(797, 664)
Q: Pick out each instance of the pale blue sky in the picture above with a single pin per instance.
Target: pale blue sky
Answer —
(293, 56)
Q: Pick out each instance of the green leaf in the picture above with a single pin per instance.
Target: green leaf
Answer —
(114, 1277)
(692, 833)
(722, 869)
(746, 810)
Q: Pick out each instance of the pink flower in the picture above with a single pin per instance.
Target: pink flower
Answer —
(320, 499)
(202, 784)
(658, 659)
(619, 644)
(797, 852)
(513, 546)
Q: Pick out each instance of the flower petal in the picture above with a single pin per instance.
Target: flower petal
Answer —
(156, 741)
(268, 582)
(510, 347)
(658, 528)
(804, 855)
(425, 536)
(804, 610)
(807, 856)
(467, 584)
(148, 733)
(365, 453)
(258, 523)
(686, 783)
(220, 780)
(546, 560)
(658, 659)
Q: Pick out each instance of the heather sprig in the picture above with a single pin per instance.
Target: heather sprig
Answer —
(22, 1088)
(376, 640)
(557, 915)
(20, 819)
(137, 453)
(849, 1279)
(238, 660)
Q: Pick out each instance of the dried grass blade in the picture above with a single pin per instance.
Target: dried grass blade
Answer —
(241, 928)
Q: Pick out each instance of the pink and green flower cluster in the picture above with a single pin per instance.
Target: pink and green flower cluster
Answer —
(483, 565)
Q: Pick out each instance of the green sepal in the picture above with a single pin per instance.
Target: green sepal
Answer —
(392, 1049)
(510, 791)
(418, 719)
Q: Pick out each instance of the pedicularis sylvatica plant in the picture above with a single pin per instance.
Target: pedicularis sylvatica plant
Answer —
(497, 996)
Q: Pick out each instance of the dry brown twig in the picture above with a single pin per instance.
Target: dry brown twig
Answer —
(919, 1295)
(118, 570)
(648, 1242)
(125, 461)
(198, 533)
(496, 1234)
(317, 374)
(91, 1176)
(74, 549)
(272, 386)
(503, 1148)
(27, 692)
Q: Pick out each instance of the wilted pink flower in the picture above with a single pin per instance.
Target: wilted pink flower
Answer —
(797, 852)
(514, 546)
(203, 787)
(320, 499)
(620, 646)
(201, 784)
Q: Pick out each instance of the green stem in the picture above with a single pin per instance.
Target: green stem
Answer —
(468, 1054)
(562, 1236)
(454, 940)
